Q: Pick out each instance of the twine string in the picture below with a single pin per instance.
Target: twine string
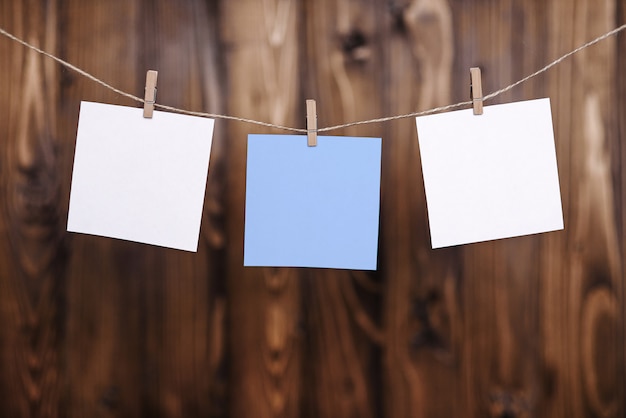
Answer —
(326, 129)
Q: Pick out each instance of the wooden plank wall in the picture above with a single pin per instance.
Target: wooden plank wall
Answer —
(524, 327)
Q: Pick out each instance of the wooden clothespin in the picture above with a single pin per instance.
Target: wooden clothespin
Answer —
(311, 123)
(476, 90)
(150, 95)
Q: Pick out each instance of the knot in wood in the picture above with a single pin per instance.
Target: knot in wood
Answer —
(507, 404)
(355, 46)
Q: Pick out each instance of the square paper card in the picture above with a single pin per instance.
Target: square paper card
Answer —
(312, 206)
(139, 179)
(490, 176)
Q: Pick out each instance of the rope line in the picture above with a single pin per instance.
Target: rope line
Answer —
(326, 129)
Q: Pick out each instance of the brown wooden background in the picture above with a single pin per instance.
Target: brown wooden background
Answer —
(524, 327)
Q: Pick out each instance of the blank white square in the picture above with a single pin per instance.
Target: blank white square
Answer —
(490, 176)
(140, 179)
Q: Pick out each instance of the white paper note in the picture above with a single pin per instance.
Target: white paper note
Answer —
(490, 176)
(139, 179)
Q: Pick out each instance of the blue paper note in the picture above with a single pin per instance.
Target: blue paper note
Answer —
(312, 206)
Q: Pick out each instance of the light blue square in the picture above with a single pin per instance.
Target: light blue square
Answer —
(312, 206)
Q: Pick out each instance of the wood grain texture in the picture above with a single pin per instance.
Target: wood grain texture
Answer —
(32, 249)
(618, 159)
(523, 327)
(587, 256)
(264, 303)
(421, 286)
